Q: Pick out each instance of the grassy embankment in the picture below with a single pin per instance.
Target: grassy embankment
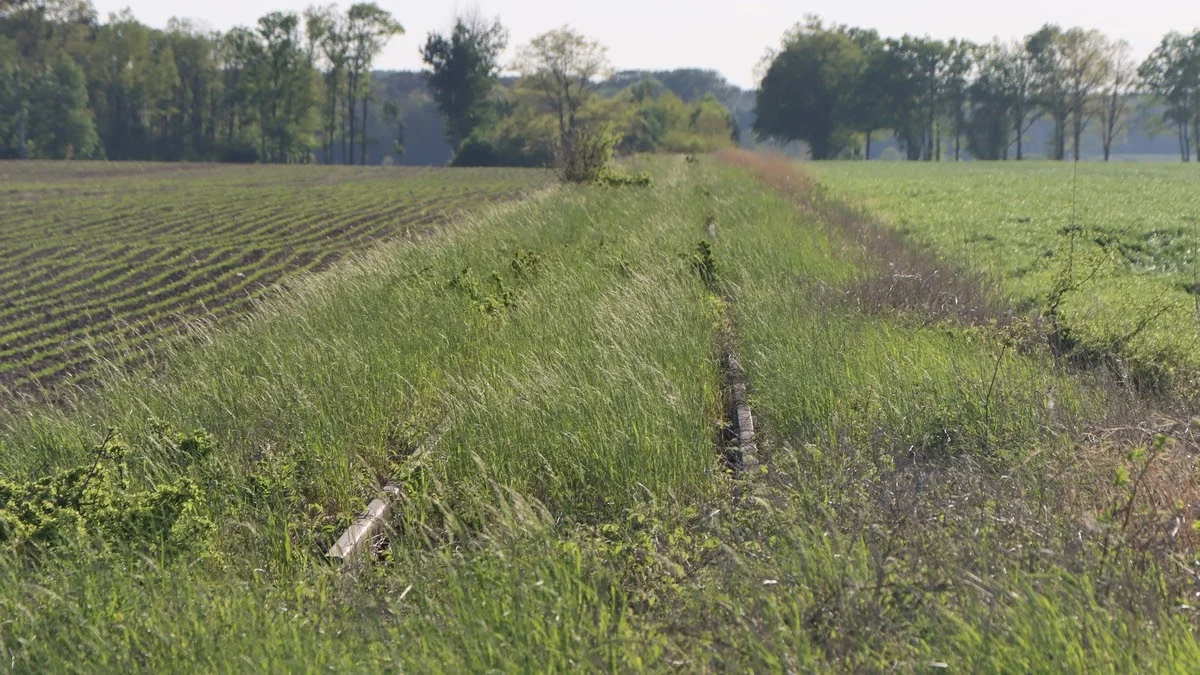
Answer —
(573, 510)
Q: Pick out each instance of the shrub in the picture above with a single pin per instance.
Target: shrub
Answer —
(587, 158)
(502, 151)
(586, 154)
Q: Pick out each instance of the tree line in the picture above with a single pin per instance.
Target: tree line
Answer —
(73, 86)
(300, 87)
(835, 87)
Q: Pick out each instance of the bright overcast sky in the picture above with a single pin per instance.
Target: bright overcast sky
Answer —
(729, 36)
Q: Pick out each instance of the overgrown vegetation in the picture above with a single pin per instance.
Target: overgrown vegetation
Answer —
(963, 484)
(936, 492)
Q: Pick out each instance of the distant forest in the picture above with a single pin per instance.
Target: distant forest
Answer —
(1057, 92)
(302, 87)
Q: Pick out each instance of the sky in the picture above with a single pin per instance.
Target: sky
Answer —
(729, 36)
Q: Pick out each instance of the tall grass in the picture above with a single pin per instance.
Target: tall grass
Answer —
(923, 470)
(553, 417)
(561, 349)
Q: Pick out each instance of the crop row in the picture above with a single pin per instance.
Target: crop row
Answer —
(106, 260)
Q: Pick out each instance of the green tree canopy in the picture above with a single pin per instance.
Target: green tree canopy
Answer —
(464, 69)
(808, 90)
(562, 69)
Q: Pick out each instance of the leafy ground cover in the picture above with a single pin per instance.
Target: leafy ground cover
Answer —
(101, 260)
(1110, 248)
(544, 382)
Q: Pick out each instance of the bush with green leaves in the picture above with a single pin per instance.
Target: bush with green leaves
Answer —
(587, 158)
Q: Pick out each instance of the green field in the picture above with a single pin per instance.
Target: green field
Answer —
(545, 384)
(100, 261)
(1129, 265)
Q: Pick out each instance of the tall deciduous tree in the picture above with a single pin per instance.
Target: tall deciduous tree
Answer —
(368, 29)
(870, 108)
(327, 36)
(991, 104)
(1086, 61)
(923, 62)
(808, 90)
(562, 68)
(191, 129)
(1052, 88)
(464, 68)
(63, 127)
(955, 88)
(1019, 73)
(1116, 94)
(1172, 73)
(36, 33)
(237, 54)
(394, 117)
(283, 88)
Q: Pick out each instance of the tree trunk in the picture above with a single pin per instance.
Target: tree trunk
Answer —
(22, 150)
(1060, 138)
(351, 101)
(213, 121)
(818, 147)
(1020, 137)
(347, 112)
(931, 133)
(363, 145)
(868, 155)
(1107, 126)
(331, 122)
(1109, 132)
(1078, 134)
(1062, 141)
(1196, 135)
